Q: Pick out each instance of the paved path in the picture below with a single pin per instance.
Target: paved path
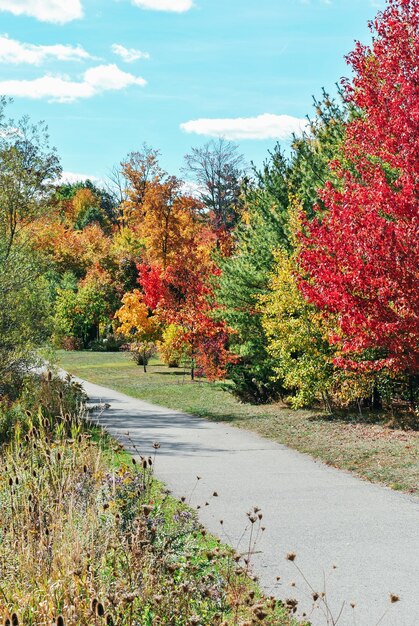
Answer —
(327, 517)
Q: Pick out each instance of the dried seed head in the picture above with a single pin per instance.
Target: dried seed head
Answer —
(147, 510)
(291, 556)
(394, 598)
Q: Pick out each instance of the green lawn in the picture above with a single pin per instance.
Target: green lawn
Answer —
(371, 450)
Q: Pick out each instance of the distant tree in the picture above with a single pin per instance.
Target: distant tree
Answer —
(84, 203)
(140, 170)
(80, 312)
(158, 210)
(182, 296)
(218, 170)
(28, 170)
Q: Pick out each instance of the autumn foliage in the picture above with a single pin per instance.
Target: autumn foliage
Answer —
(296, 281)
(360, 257)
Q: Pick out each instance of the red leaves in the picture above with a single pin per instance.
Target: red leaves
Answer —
(182, 295)
(361, 257)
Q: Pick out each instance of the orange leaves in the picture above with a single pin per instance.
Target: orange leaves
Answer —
(69, 249)
(157, 210)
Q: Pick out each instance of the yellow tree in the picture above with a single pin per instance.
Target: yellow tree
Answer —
(140, 328)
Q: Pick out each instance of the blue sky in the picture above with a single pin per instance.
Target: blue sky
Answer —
(108, 75)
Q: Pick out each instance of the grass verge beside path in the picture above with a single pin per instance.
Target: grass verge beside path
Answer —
(370, 450)
(89, 537)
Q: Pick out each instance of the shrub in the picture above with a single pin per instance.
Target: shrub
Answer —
(141, 352)
(170, 349)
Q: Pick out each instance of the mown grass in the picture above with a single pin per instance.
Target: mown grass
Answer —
(366, 446)
(89, 537)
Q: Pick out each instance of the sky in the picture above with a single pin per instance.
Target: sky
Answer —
(109, 75)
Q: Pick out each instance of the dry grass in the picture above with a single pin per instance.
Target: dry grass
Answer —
(88, 537)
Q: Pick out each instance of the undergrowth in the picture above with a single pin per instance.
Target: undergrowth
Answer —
(89, 537)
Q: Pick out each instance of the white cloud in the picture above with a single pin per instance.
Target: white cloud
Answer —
(129, 54)
(57, 11)
(175, 6)
(62, 89)
(266, 126)
(190, 188)
(73, 177)
(13, 51)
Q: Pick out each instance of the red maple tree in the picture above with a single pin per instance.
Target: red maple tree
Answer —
(181, 294)
(360, 256)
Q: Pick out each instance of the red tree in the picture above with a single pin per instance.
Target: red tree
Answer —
(360, 257)
(181, 295)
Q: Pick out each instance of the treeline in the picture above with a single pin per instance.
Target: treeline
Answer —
(297, 281)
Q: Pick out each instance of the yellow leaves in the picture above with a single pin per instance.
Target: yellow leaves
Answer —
(295, 333)
(83, 200)
(134, 318)
(126, 243)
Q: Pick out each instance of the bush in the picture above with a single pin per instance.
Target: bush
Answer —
(170, 349)
(70, 343)
(141, 351)
(110, 343)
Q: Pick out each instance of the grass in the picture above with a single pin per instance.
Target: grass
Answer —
(89, 537)
(366, 447)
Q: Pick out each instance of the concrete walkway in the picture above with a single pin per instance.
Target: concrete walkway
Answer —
(326, 516)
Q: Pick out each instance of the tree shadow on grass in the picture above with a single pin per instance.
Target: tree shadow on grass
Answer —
(405, 420)
(175, 373)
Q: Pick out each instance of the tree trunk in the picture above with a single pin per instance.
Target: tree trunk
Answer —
(377, 404)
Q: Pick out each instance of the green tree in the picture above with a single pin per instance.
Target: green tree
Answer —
(80, 313)
(318, 146)
(245, 278)
(269, 208)
(24, 315)
(28, 170)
